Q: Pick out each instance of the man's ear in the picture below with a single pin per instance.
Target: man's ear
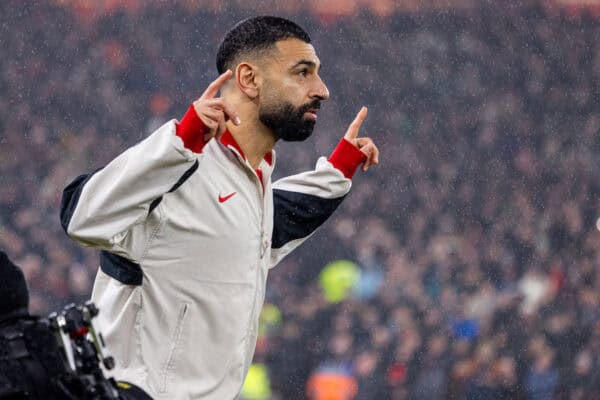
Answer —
(248, 79)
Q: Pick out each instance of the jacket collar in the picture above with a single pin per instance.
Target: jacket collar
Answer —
(228, 141)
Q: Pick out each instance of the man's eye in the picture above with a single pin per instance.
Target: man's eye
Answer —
(303, 72)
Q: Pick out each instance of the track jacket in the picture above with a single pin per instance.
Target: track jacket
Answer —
(188, 233)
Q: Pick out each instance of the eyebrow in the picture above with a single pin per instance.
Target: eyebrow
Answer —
(308, 63)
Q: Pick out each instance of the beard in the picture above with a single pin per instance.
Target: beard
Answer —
(288, 122)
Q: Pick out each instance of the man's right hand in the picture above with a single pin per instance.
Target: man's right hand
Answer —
(214, 112)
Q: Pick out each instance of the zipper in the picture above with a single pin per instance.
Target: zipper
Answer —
(261, 201)
(264, 242)
(260, 195)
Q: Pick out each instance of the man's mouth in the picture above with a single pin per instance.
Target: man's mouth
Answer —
(312, 113)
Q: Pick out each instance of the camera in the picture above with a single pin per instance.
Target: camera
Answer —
(54, 358)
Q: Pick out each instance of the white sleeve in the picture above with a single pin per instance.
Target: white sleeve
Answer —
(98, 209)
(302, 203)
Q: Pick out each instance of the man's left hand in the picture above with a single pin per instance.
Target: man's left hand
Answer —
(364, 144)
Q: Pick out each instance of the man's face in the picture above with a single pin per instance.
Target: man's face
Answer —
(292, 91)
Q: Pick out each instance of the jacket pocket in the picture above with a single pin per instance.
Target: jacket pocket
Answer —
(175, 346)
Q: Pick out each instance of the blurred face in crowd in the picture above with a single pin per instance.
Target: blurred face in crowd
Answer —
(583, 363)
(292, 90)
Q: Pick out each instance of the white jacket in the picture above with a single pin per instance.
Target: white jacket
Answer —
(187, 242)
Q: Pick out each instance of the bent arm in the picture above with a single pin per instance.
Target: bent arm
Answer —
(99, 209)
(303, 202)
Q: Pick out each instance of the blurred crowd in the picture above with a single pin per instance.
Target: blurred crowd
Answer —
(469, 258)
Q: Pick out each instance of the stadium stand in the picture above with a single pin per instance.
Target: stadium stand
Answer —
(475, 238)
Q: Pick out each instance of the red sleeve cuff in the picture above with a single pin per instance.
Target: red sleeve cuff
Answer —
(346, 157)
(191, 130)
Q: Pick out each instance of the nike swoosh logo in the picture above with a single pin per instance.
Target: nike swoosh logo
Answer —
(223, 199)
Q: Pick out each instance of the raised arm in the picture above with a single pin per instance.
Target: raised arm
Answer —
(101, 208)
(304, 201)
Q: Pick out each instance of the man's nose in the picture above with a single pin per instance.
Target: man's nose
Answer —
(320, 90)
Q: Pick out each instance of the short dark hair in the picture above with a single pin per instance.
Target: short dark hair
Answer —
(255, 34)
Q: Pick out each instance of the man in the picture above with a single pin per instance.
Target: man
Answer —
(190, 223)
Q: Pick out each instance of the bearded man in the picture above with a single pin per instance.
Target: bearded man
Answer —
(189, 223)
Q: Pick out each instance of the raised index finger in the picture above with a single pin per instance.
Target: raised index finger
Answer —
(352, 131)
(212, 89)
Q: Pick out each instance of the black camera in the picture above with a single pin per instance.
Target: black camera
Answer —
(52, 358)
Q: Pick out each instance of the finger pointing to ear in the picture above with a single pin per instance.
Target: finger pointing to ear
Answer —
(212, 89)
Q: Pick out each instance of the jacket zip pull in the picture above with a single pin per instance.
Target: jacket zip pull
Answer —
(263, 249)
(267, 244)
